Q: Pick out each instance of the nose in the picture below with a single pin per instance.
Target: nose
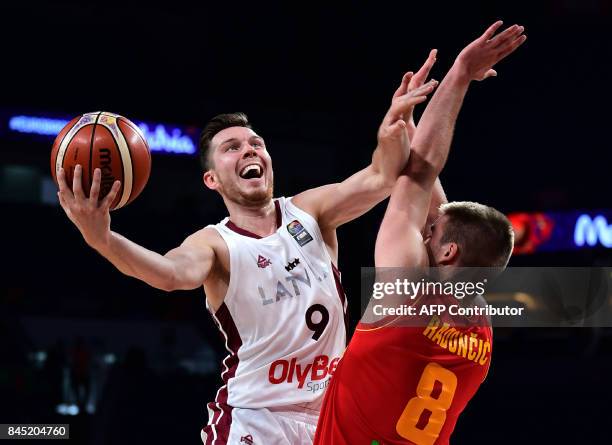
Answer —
(249, 152)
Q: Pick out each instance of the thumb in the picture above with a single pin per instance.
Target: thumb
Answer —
(396, 128)
(490, 73)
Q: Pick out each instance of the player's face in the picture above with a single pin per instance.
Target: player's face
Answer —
(432, 237)
(242, 169)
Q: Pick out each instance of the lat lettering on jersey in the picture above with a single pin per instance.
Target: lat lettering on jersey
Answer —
(291, 371)
(295, 281)
(470, 346)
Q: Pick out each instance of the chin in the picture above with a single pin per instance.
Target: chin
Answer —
(255, 197)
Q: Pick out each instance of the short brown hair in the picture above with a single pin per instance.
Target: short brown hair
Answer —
(484, 234)
(214, 126)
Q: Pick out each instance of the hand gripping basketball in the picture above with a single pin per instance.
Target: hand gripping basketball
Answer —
(108, 161)
(89, 214)
(109, 142)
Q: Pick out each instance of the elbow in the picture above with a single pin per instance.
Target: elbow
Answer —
(422, 167)
(167, 283)
(166, 286)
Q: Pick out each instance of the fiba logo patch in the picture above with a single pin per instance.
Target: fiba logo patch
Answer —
(298, 232)
(247, 439)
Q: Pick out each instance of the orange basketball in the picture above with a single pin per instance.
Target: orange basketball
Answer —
(109, 142)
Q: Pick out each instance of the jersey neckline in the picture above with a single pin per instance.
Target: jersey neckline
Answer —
(279, 221)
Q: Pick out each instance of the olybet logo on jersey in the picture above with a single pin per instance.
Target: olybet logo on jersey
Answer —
(290, 371)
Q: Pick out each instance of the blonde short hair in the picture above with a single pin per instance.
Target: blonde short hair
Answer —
(484, 235)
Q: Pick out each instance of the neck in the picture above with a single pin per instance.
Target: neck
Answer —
(446, 273)
(259, 219)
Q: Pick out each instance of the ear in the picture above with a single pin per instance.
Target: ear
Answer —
(449, 254)
(210, 179)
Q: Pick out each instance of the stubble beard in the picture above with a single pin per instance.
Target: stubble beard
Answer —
(257, 198)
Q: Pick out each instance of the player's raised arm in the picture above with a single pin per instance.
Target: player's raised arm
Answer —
(185, 267)
(438, 197)
(335, 204)
(411, 197)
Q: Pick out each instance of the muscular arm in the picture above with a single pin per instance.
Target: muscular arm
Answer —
(438, 197)
(410, 201)
(335, 204)
(185, 267)
(400, 241)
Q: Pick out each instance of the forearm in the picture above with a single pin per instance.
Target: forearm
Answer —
(388, 163)
(136, 261)
(434, 133)
(399, 242)
(438, 197)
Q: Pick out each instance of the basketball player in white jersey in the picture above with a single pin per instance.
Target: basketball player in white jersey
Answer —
(268, 270)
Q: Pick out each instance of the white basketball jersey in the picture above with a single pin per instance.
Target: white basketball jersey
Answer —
(283, 317)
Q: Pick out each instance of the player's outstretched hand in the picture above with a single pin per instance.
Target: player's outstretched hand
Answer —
(92, 217)
(417, 81)
(476, 61)
(394, 124)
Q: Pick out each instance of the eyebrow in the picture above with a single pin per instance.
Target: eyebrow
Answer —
(228, 140)
(237, 140)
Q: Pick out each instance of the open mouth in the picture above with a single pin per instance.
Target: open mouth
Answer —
(251, 171)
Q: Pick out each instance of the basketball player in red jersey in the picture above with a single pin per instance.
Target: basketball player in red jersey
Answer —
(268, 271)
(400, 384)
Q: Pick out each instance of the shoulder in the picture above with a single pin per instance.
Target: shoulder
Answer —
(303, 206)
(309, 200)
(206, 237)
(209, 238)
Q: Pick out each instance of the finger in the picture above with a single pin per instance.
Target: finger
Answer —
(77, 185)
(62, 200)
(401, 108)
(419, 78)
(415, 100)
(94, 193)
(507, 36)
(112, 194)
(491, 30)
(508, 42)
(64, 204)
(425, 89)
(495, 40)
(512, 47)
(63, 186)
(403, 88)
(404, 104)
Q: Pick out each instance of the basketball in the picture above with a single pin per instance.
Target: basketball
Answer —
(109, 142)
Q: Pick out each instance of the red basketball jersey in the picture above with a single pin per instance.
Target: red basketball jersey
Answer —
(404, 385)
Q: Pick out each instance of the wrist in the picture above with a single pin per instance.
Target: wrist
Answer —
(459, 73)
(102, 244)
